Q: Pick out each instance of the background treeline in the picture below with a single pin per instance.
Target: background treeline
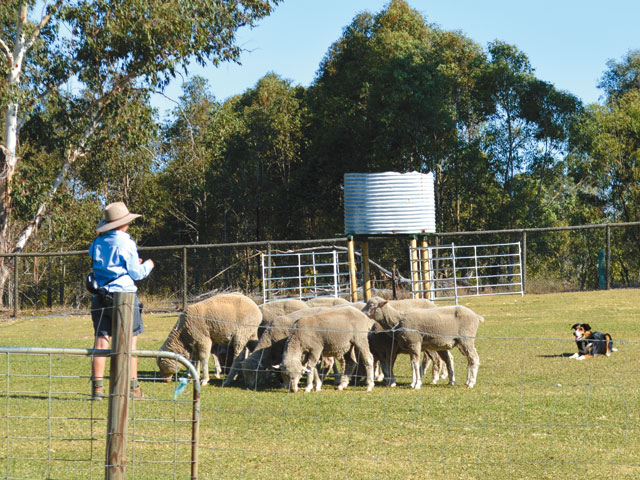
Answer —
(394, 92)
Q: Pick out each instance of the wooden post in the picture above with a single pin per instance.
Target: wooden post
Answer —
(184, 278)
(352, 269)
(16, 293)
(394, 279)
(119, 381)
(424, 255)
(366, 276)
(415, 278)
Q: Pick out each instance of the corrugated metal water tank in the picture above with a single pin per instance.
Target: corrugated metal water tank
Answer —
(389, 203)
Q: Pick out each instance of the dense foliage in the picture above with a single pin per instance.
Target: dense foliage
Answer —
(394, 92)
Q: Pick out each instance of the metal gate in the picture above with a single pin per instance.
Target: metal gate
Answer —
(52, 429)
(450, 272)
(305, 275)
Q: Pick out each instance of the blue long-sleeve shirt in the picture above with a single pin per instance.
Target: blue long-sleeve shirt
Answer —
(115, 257)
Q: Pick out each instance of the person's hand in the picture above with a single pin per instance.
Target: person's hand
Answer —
(152, 264)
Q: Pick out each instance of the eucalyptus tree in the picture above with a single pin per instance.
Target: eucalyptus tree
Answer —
(397, 93)
(259, 158)
(186, 155)
(621, 77)
(84, 54)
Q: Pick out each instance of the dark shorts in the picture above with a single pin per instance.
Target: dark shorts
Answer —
(101, 314)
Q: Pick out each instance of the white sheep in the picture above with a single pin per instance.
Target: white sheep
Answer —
(430, 357)
(222, 319)
(385, 350)
(435, 329)
(276, 308)
(331, 332)
(268, 351)
(326, 301)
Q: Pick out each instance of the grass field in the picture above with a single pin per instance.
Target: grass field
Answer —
(534, 413)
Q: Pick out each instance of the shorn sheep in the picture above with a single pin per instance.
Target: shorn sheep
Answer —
(268, 351)
(436, 329)
(430, 357)
(276, 308)
(326, 302)
(231, 319)
(332, 333)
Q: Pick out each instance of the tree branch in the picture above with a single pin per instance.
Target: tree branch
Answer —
(43, 23)
(72, 156)
(6, 51)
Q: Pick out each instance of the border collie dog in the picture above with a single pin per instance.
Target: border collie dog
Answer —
(591, 343)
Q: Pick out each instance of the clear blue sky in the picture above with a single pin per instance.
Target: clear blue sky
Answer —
(568, 42)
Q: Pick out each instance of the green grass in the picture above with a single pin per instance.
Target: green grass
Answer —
(534, 413)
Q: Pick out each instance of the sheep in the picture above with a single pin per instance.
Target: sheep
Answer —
(385, 350)
(429, 357)
(409, 303)
(331, 332)
(326, 301)
(277, 308)
(436, 329)
(268, 352)
(222, 319)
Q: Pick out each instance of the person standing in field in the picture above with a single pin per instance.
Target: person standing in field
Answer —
(116, 266)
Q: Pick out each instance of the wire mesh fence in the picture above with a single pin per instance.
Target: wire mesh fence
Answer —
(52, 429)
(532, 408)
(587, 257)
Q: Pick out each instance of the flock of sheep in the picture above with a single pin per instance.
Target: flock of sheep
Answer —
(294, 338)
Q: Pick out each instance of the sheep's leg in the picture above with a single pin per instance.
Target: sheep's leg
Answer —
(416, 379)
(432, 357)
(468, 349)
(448, 361)
(204, 352)
(238, 348)
(327, 364)
(387, 370)
(368, 363)
(362, 348)
(337, 378)
(378, 373)
(312, 361)
(216, 364)
(347, 372)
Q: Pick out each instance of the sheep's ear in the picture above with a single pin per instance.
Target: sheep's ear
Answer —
(276, 367)
(383, 303)
(306, 370)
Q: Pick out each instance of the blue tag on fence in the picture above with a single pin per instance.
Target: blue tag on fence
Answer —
(180, 388)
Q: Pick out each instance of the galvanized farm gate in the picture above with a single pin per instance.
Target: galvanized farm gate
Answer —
(305, 274)
(450, 272)
(52, 428)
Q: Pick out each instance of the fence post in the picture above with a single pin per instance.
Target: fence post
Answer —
(16, 295)
(119, 377)
(184, 278)
(366, 274)
(608, 259)
(352, 268)
(455, 280)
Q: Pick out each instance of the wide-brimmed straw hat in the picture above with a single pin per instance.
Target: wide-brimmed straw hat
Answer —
(115, 215)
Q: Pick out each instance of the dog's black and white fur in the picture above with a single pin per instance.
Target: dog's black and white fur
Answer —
(591, 343)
